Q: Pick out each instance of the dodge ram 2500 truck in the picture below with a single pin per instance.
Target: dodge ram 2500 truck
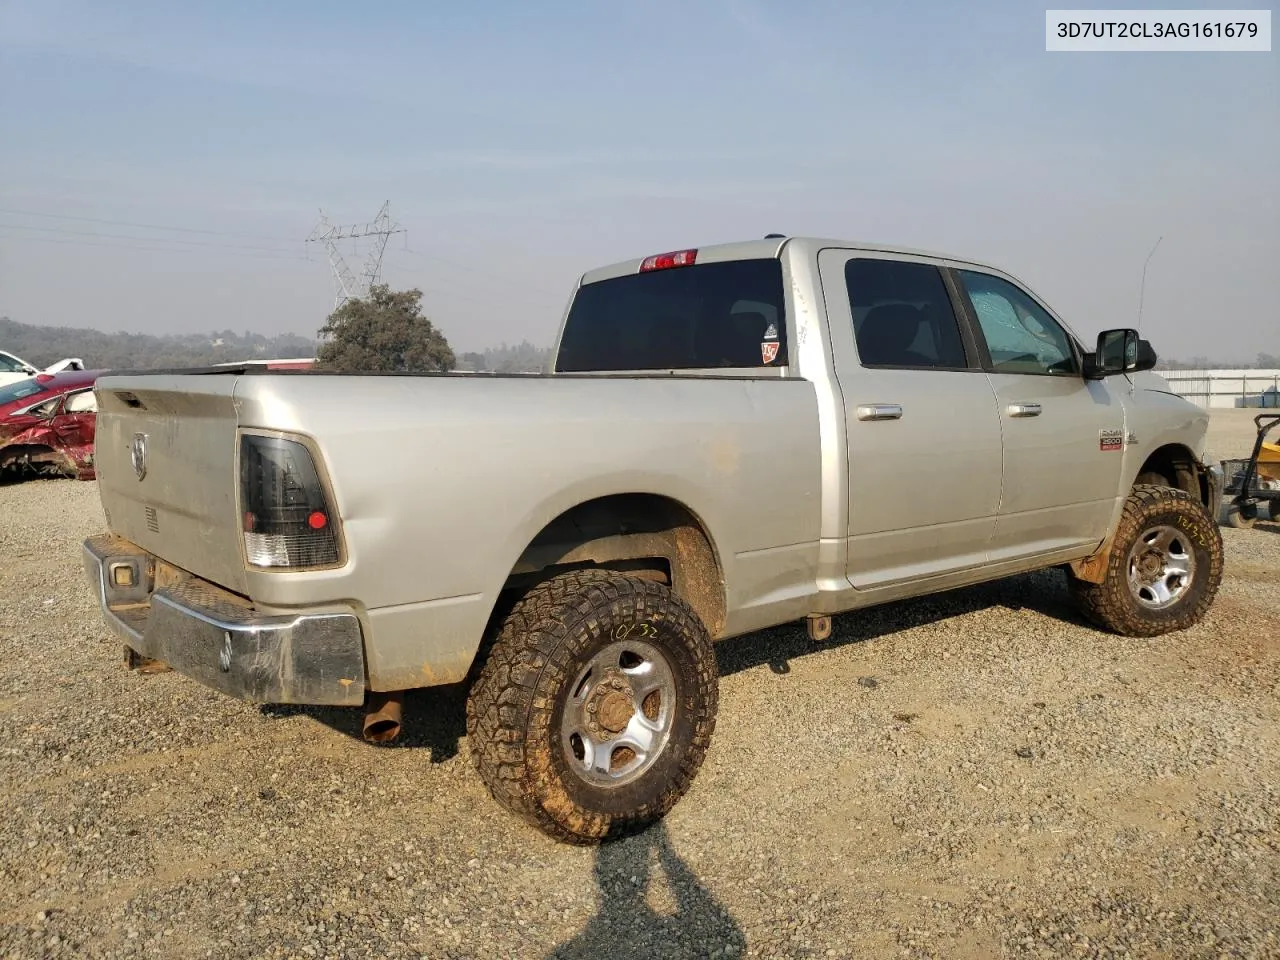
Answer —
(732, 437)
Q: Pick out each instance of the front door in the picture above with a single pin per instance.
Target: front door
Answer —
(924, 454)
(1063, 435)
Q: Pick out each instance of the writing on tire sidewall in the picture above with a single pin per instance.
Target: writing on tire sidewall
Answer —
(647, 789)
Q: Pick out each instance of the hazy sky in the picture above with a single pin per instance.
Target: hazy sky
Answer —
(522, 143)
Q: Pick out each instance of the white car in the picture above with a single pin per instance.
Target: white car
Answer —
(13, 369)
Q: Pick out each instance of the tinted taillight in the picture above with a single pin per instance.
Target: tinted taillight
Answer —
(284, 514)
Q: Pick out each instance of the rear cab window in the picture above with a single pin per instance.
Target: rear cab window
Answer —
(730, 314)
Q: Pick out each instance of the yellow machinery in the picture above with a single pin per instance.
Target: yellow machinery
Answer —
(1254, 484)
(1269, 461)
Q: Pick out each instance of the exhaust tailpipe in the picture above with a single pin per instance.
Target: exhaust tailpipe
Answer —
(382, 715)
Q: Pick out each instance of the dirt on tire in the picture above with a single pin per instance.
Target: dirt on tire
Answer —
(1111, 604)
(513, 708)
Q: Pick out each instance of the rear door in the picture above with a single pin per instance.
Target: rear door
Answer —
(924, 443)
(1063, 435)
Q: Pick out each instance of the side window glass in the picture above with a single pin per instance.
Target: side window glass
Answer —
(9, 365)
(1020, 335)
(902, 315)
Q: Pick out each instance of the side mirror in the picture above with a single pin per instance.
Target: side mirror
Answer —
(29, 370)
(1119, 351)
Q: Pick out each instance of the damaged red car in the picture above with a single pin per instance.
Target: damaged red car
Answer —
(47, 425)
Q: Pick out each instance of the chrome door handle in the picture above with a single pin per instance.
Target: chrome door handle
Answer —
(880, 411)
(1024, 409)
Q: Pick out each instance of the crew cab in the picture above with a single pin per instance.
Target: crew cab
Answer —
(732, 437)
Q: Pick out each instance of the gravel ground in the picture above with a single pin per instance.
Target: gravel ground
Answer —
(970, 775)
(1232, 432)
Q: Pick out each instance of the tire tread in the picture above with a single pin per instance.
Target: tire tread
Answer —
(1110, 605)
(505, 703)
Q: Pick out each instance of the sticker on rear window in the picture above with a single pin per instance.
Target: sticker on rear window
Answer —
(769, 351)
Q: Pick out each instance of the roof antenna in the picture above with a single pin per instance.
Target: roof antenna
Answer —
(1143, 289)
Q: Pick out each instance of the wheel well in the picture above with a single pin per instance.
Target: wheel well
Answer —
(1179, 468)
(641, 534)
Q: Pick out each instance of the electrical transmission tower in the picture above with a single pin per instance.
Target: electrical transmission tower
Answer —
(346, 285)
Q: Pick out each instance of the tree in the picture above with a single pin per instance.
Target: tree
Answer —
(385, 332)
(1267, 361)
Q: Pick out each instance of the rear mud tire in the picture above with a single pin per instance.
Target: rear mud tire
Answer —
(516, 706)
(1113, 604)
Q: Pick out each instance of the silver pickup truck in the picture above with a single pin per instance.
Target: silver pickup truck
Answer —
(732, 438)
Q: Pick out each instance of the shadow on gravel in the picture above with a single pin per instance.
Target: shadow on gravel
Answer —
(432, 719)
(627, 926)
(1044, 592)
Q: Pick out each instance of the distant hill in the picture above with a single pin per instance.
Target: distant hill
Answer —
(43, 346)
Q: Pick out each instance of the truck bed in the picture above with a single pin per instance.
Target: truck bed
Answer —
(441, 482)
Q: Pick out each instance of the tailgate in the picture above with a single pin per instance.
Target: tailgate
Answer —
(166, 463)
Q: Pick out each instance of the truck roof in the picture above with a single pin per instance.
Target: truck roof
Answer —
(772, 247)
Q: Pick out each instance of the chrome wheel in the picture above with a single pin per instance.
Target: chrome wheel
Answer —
(618, 717)
(1162, 565)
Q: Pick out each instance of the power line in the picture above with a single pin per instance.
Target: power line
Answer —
(227, 252)
(482, 273)
(121, 236)
(380, 229)
(144, 226)
(450, 295)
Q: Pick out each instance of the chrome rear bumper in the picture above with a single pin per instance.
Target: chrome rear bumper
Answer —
(219, 638)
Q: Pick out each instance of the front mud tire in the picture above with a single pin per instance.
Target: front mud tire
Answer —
(1159, 525)
(521, 743)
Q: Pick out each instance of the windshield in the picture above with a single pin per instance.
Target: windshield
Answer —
(711, 315)
(20, 390)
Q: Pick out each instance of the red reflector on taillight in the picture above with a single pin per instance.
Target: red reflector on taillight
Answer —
(665, 261)
(43, 377)
(284, 506)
